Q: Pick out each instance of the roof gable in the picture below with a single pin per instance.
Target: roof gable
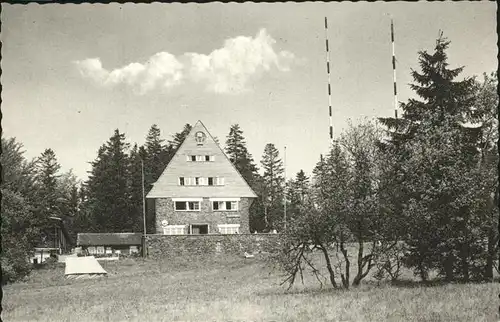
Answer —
(168, 186)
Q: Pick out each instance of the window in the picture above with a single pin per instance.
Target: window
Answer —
(229, 228)
(193, 158)
(197, 181)
(180, 205)
(100, 249)
(207, 158)
(219, 181)
(174, 230)
(181, 181)
(187, 205)
(210, 181)
(198, 229)
(225, 205)
(199, 158)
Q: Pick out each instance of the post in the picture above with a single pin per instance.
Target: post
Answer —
(143, 211)
(285, 189)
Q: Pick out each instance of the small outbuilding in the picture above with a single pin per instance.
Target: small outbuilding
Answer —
(109, 243)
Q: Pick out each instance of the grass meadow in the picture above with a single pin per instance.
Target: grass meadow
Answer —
(229, 288)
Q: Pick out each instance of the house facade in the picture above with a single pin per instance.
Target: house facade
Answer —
(200, 191)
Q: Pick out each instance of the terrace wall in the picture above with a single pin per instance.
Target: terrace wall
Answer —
(166, 246)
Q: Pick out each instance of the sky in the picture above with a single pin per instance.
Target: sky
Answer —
(72, 74)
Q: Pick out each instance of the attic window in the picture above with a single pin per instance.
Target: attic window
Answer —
(181, 181)
(207, 158)
(200, 138)
(193, 158)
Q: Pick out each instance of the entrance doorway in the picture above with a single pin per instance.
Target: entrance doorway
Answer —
(199, 229)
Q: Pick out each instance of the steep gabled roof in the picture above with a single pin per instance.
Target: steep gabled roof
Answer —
(167, 184)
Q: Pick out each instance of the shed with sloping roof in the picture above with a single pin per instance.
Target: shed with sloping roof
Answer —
(109, 243)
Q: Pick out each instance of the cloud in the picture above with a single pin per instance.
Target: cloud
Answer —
(161, 70)
(230, 68)
(225, 70)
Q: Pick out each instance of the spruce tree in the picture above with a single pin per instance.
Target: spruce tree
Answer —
(108, 187)
(48, 196)
(179, 137)
(298, 189)
(272, 186)
(435, 158)
(239, 156)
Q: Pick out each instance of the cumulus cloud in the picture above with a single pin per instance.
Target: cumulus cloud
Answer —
(241, 59)
(161, 70)
(225, 70)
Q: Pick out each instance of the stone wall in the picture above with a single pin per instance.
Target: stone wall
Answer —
(167, 246)
(165, 211)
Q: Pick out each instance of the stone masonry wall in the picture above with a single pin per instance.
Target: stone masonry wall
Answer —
(165, 211)
(168, 246)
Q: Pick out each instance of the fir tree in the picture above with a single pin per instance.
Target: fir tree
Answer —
(298, 189)
(108, 187)
(272, 186)
(179, 137)
(48, 196)
(239, 156)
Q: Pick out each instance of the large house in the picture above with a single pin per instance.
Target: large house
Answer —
(200, 191)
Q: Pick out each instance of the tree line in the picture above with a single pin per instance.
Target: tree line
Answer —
(419, 191)
(111, 198)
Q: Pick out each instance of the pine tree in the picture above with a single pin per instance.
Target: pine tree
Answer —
(238, 154)
(435, 158)
(442, 97)
(273, 184)
(297, 191)
(48, 196)
(179, 137)
(108, 187)
(137, 155)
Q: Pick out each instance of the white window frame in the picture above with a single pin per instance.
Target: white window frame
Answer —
(219, 181)
(229, 229)
(177, 230)
(200, 158)
(222, 206)
(187, 201)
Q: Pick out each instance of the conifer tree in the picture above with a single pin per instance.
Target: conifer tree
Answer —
(179, 137)
(108, 187)
(48, 196)
(272, 186)
(238, 154)
(298, 189)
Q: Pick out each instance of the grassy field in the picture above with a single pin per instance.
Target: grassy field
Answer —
(232, 289)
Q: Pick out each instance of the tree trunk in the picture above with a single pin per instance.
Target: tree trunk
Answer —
(488, 275)
(329, 266)
(358, 277)
(346, 278)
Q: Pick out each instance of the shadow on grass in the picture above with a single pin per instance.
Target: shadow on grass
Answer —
(406, 283)
(366, 286)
